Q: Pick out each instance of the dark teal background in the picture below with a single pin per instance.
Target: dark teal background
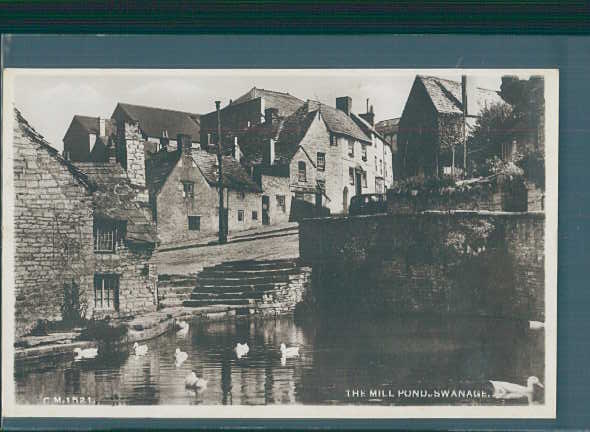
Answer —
(571, 55)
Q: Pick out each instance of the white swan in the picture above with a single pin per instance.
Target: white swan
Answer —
(87, 353)
(184, 326)
(536, 325)
(289, 352)
(193, 381)
(180, 356)
(507, 390)
(241, 349)
(140, 350)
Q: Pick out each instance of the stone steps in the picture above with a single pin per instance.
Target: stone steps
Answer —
(174, 289)
(240, 282)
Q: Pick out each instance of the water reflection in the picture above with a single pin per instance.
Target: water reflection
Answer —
(336, 355)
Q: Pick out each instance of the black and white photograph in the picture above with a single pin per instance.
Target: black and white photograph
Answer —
(269, 243)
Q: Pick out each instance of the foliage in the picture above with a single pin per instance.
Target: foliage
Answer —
(533, 165)
(74, 306)
(418, 185)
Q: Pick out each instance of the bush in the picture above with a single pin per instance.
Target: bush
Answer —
(73, 308)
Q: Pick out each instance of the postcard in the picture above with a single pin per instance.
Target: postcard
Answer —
(279, 243)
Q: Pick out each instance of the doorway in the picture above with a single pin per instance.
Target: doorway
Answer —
(265, 210)
(357, 182)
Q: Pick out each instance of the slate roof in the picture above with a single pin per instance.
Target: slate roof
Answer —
(285, 103)
(114, 198)
(446, 95)
(338, 122)
(91, 124)
(387, 126)
(153, 121)
(234, 175)
(30, 132)
(158, 168)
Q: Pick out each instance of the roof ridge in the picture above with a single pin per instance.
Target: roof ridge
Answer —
(189, 114)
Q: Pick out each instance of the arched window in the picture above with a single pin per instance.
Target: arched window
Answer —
(301, 171)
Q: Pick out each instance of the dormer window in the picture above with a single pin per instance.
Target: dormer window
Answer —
(108, 235)
(188, 190)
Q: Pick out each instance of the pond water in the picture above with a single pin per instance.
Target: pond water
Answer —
(338, 357)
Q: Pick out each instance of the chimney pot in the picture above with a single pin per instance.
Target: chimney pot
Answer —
(344, 103)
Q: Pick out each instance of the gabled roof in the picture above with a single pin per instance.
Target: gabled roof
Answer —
(234, 175)
(115, 198)
(387, 126)
(446, 95)
(340, 123)
(285, 103)
(158, 168)
(29, 132)
(366, 127)
(92, 124)
(153, 121)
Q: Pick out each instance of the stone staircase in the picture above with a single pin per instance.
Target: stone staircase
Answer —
(242, 283)
(174, 289)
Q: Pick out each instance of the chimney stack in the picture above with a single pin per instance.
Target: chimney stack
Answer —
(184, 143)
(369, 116)
(344, 103)
(468, 98)
(102, 129)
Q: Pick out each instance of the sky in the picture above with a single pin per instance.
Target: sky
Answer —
(49, 98)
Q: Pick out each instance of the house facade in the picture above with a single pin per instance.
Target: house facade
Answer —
(436, 120)
(389, 129)
(184, 194)
(76, 226)
(327, 154)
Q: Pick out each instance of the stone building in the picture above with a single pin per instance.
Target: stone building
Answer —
(76, 226)
(87, 138)
(247, 111)
(389, 129)
(184, 194)
(317, 157)
(438, 116)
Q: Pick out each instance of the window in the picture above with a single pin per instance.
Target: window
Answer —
(108, 235)
(321, 161)
(242, 195)
(194, 223)
(254, 215)
(188, 190)
(364, 179)
(301, 171)
(299, 196)
(350, 148)
(106, 291)
(281, 203)
(240, 215)
(380, 166)
(351, 175)
(376, 166)
(321, 184)
(333, 140)
(364, 152)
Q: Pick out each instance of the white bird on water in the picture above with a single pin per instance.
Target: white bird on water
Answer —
(289, 352)
(507, 390)
(241, 349)
(184, 326)
(140, 350)
(87, 353)
(536, 325)
(193, 381)
(180, 356)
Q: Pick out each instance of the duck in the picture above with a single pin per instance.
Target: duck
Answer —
(507, 390)
(289, 352)
(241, 349)
(184, 326)
(87, 353)
(180, 356)
(536, 325)
(140, 350)
(193, 381)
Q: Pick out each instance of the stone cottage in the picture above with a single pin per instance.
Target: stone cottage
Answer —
(438, 116)
(389, 129)
(317, 157)
(76, 225)
(183, 192)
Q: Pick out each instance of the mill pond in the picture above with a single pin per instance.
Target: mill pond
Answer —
(378, 360)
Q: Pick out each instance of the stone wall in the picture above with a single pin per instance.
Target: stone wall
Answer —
(52, 227)
(273, 186)
(285, 297)
(465, 263)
